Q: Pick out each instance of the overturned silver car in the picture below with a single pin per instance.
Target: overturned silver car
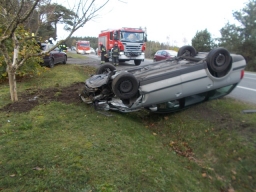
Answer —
(166, 86)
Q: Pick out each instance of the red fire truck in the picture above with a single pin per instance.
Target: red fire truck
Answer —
(83, 47)
(131, 42)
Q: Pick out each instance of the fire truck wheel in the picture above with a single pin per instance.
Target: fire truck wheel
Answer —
(125, 86)
(187, 51)
(137, 62)
(105, 68)
(219, 60)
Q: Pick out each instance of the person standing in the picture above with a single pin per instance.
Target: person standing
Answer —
(102, 53)
(115, 54)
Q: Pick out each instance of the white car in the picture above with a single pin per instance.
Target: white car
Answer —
(92, 51)
(166, 86)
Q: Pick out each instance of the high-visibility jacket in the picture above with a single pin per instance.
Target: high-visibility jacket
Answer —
(115, 51)
(102, 49)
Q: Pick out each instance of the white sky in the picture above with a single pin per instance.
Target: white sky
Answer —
(178, 20)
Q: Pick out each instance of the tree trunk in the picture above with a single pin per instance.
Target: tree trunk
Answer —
(55, 32)
(11, 69)
(12, 84)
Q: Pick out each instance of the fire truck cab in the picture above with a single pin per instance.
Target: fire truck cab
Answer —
(83, 47)
(131, 42)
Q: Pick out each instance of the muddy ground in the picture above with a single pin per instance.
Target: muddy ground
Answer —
(32, 98)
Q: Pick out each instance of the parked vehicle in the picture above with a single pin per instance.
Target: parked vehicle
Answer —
(164, 54)
(73, 48)
(83, 47)
(53, 57)
(92, 51)
(166, 86)
(131, 42)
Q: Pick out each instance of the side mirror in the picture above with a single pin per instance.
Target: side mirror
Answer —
(116, 35)
(145, 39)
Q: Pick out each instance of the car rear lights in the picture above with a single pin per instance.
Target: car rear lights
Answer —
(242, 74)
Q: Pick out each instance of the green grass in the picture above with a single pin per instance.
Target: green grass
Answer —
(76, 56)
(70, 147)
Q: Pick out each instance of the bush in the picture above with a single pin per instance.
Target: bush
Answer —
(28, 45)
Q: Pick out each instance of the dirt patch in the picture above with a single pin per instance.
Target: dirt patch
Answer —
(34, 97)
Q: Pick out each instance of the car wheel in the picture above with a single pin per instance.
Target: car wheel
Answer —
(187, 51)
(105, 68)
(51, 63)
(125, 86)
(137, 62)
(219, 60)
(65, 60)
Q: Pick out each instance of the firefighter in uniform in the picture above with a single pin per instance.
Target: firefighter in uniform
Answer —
(102, 53)
(115, 54)
(63, 47)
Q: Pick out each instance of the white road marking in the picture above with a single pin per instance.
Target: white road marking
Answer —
(246, 88)
(250, 78)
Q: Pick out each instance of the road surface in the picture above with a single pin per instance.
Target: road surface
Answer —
(246, 89)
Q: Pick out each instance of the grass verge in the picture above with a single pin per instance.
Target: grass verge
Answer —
(71, 147)
(75, 55)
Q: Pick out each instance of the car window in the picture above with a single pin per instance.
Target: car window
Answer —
(172, 53)
(48, 47)
(214, 94)
(164, 53)
(43, 46)
(158, 52)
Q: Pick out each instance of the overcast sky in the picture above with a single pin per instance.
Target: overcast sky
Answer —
(176, 20)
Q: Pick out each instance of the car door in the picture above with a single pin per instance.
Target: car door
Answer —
(52, 54)
(158, 56)
(195, 80)
(161, 87)
(58, 55)
(164, 55)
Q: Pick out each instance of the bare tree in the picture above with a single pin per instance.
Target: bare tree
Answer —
(14, 14)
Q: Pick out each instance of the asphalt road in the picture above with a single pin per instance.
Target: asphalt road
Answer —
(245, 91)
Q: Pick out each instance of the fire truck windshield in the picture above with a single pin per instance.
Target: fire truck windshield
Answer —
(132, 36)
(84, 44)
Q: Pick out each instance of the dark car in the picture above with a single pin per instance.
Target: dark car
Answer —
(53, 57)
(166, 86)
(164, 54)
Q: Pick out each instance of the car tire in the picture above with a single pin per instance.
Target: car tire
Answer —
(105, 68)
(187, 51)
(65, 60)
(219, 60)
(137, 62)
(125, 86)
(51, 63)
